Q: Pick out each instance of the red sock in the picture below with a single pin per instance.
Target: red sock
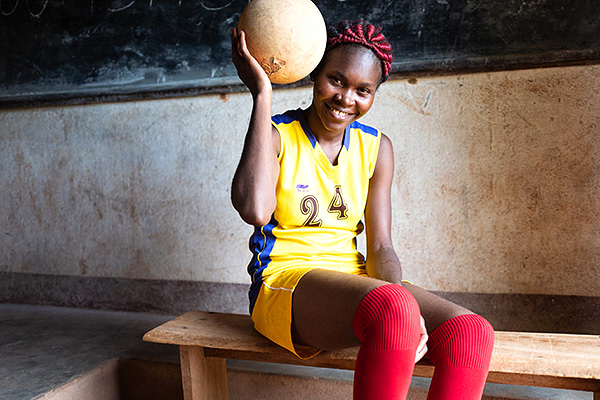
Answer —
(387, 322)
(460, 349)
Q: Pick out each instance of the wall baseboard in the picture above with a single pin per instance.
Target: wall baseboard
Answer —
(122, 294)
(515, 312)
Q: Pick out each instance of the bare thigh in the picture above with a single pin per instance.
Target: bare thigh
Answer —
(323, 307)
(324, 303)
(434, 309)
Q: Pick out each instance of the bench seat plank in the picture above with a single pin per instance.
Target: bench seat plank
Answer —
(520, 358)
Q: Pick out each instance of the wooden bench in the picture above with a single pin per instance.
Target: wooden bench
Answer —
(532, 359)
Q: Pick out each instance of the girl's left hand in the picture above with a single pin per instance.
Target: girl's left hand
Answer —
(422, 347)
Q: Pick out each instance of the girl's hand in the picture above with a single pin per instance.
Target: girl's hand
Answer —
(248, 69)
(422, 348)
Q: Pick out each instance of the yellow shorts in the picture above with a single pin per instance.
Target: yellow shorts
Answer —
(272, 313)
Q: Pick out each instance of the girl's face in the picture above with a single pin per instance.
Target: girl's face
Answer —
(344, 88)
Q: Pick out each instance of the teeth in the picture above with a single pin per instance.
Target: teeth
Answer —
(340, 113)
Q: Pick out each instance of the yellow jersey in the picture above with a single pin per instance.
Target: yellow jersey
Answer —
(319, 205)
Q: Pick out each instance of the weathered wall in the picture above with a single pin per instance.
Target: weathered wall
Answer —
(497, 186)
(498, 180)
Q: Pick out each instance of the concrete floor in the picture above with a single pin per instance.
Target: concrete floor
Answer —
(43, 348)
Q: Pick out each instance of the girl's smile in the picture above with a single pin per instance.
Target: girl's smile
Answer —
(337, 113)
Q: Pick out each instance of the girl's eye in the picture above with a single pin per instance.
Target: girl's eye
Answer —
(336, 80)
(364, 91)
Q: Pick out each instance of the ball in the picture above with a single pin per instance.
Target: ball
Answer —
(287, 37)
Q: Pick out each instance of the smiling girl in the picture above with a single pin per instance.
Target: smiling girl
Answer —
(305, 181)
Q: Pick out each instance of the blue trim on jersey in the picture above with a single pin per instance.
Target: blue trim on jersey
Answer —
(347, 137)
(311, 136)
(298, 115)
(286, 118)
(261, 244)
(307, 131)
(365, 128)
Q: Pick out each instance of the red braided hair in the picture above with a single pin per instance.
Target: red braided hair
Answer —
(366, 34)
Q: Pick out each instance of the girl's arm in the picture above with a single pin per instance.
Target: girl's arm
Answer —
(382, 261)
(253, 187)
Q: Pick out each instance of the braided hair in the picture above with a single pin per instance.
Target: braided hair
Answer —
(361, 33)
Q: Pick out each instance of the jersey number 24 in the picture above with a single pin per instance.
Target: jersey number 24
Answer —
(309, 206)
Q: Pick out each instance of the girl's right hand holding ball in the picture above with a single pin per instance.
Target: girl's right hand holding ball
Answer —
(248, 69)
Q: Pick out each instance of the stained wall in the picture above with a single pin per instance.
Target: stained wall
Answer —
(496, 190)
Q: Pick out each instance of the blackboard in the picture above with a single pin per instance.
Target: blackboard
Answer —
(60, 50)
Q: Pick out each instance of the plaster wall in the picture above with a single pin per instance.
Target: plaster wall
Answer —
(497, 184)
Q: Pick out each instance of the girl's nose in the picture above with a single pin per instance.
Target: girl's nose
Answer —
(344, 97)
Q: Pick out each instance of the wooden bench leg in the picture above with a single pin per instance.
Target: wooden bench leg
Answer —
(204, 378)
(596, 395)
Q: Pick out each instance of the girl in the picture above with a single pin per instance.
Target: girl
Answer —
(305, 180)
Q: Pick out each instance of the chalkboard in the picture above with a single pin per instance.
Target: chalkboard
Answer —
(56, 50)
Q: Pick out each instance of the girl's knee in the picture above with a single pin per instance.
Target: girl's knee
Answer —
(466, 340)
(481, 332)
(389, 312)
(399, 303)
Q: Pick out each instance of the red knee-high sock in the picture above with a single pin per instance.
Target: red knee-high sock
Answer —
(460, 349)
(387, 322)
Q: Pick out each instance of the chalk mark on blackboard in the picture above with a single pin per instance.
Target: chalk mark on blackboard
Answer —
(444, 2)
(11, 11)
(530, 5)
(38, 14)
(121, 8)
(208, 8)
(32, 65)
(132, 50)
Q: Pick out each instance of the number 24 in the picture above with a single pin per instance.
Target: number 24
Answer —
(309, 205)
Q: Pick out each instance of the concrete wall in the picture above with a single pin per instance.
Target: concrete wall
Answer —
(497, 186)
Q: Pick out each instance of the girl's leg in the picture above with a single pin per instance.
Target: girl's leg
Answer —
(460, 346)
(336, 310)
